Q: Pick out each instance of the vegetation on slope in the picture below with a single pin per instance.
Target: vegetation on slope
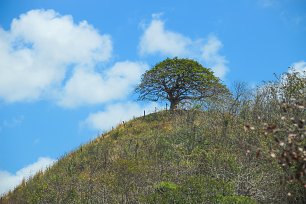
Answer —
(226, 153)
(180, 157)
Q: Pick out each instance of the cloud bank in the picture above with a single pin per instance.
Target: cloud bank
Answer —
(46, 55)
(38, 49)
(9, 181)
(156, 39)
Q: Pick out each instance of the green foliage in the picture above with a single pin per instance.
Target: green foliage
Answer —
(178, 80)
(164, 187)
(204, 188)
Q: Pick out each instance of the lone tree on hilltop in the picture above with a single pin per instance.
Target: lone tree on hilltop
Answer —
(177, 80)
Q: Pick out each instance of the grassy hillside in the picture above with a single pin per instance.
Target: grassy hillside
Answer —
(166, 157)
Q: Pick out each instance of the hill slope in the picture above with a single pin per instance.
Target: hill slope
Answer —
(180, 157)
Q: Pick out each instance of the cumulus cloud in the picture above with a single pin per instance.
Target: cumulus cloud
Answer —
(115, 114)
(40, 47)
(212, 58)
(156, 39)
(89, 87)
(9, 181)
(299, 66)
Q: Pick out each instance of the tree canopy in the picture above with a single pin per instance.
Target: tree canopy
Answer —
(177, 80)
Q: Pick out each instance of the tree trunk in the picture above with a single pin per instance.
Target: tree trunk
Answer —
(173, 104)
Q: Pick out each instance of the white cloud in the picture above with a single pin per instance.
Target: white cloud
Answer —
(115, 114)
(38, 50)
(9, 181)
(157, 39)
(89, 87)
(299, 66)
(212, 57)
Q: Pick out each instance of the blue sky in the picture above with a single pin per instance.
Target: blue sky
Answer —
(68, 67)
